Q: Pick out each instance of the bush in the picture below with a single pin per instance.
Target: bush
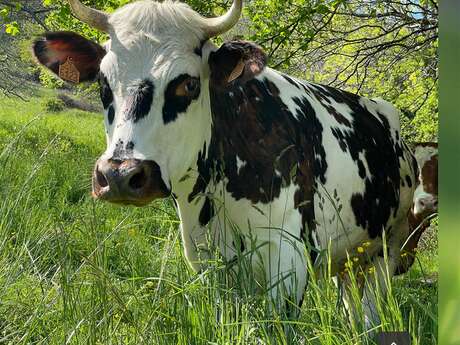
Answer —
(53, 105)
(49, 80)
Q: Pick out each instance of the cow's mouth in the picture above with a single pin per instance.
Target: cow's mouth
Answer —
(128, 182)
(124, 202)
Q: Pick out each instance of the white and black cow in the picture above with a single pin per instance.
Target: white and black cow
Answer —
(295, 166)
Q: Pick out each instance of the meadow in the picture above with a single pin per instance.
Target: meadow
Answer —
(76, 271)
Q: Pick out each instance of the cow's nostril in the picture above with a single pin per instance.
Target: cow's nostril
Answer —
(101, 179)
(138, 180)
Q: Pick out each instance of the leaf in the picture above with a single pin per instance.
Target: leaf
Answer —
(12, 28)
(259, 210)
(323, 9)
(4, 14)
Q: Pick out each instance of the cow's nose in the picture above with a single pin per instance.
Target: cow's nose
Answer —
(129, 181)
(426, 205)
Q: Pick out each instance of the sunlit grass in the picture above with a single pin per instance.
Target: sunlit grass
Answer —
(74, 271)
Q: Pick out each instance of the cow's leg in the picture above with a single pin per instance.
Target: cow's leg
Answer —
(351, 290)
(377, 279)
(286, 273)
(196, 247)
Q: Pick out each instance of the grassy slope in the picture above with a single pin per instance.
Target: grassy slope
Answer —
(79, 272)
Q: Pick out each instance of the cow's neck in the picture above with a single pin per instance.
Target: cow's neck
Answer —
(183, 184)
(190, 202)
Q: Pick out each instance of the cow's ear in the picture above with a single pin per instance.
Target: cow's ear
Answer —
(69, 55)
(236, 61)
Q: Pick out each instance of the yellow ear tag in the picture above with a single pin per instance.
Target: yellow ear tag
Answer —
(239, 69)
(68, 71)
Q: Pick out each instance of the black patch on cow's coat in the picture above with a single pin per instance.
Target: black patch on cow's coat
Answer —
(105, 92)
(111, 114)
(254, 125)
(118, 153)
(122, 151)
(371, 137)
(361, 169)
(130, 146)
(415, 167)
(319, 92)
(199, 50)
(409, 181)
(206, 213)
(139, 101)
(311, 134)
(240, 241)
(291, 81)
(340, 138)
(174, 104)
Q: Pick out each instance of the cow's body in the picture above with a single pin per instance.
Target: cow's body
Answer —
(253, 158)
(298, 164)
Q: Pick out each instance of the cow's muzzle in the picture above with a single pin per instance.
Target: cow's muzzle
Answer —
(131, 181)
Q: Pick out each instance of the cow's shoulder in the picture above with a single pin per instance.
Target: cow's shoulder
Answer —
(382, 108)
(351, 109)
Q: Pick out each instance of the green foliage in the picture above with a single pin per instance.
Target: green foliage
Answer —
(52, 105)
(407, 79)
(284, 28)
(50, 80)
(62, 19)
(11, 26)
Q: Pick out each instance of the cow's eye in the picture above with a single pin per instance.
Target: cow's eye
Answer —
(192, 86)
(189, 88)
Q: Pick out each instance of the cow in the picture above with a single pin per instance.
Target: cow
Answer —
(425, 201)
(252, 157)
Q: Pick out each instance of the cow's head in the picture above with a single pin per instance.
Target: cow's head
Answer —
(425, 201)
(154, 79)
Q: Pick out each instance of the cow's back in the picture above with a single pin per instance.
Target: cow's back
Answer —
(364, 174)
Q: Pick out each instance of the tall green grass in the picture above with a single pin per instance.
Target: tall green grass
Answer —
(75, 271)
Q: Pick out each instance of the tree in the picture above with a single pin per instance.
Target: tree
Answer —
(372, 47)
(385, 48)
(18, 20)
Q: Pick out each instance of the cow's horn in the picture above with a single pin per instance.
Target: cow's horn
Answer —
(219, 25)
(94, 18)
